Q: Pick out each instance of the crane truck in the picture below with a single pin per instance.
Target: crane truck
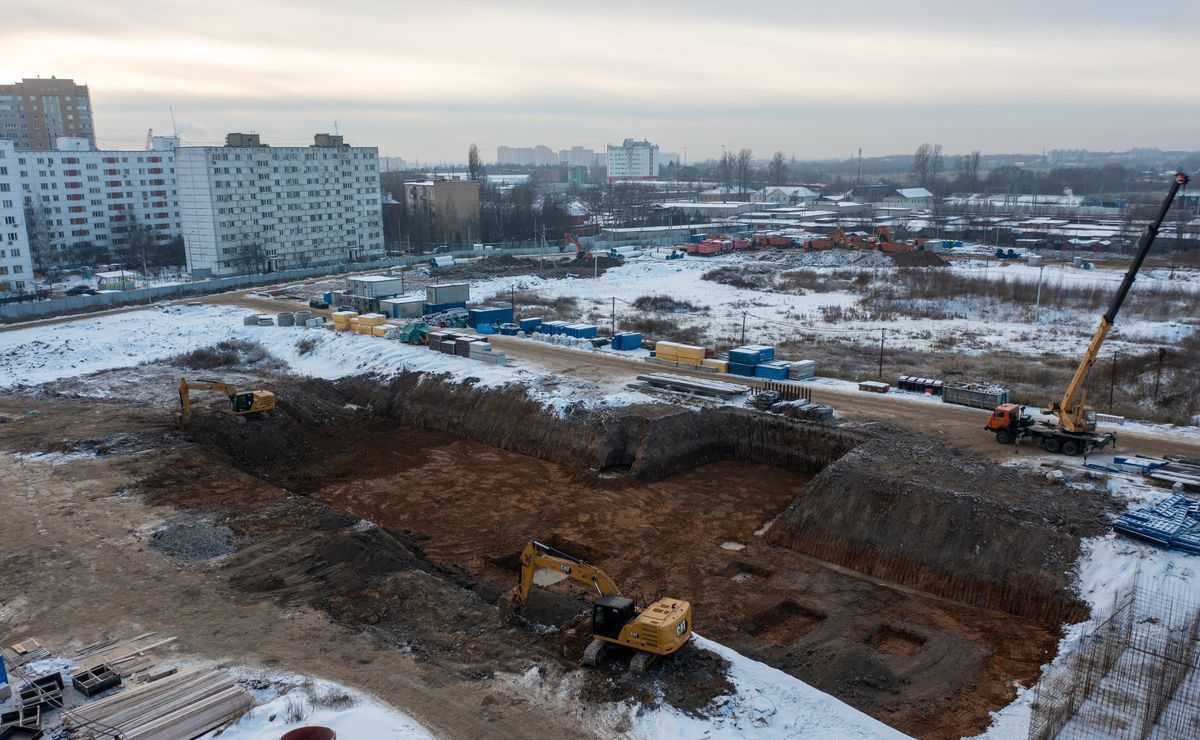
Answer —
(659, 629)
(1074, 428)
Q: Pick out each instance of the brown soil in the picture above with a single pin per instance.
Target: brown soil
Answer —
(918, 259)
(929, 666)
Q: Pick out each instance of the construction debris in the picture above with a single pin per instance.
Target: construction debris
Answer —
(685, 384)
(1175, 523)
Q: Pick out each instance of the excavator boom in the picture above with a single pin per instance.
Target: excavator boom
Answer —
(1072, 411)
(537, 556)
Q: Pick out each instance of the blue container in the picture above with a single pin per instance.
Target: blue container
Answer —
(327, 297)
(695, 239)
(765, 353)
(737, 368)
(528, 325)
(484, 329)
(553, 327)
(772, 370)
(744, 356)
(628, 340)
(439, 307)
(501, 315)
(586, 331)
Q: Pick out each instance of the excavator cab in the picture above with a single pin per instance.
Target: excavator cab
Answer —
(610, 614)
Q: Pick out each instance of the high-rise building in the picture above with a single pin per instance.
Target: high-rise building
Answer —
(578, 156)
(537, 156)
(633, 160)
(79, 195)
(35, 112)
(257, 207)
(16, 262)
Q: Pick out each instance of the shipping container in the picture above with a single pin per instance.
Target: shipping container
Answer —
(432, 308)
(448, 293)
(489, 315)
(375, 286)
(974, 395)
(402, 307)
(529, 324)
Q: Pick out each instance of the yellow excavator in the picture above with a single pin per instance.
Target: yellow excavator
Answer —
(1074, 429)
(660, 629)
(241, 403)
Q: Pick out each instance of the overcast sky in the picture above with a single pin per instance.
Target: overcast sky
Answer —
(816, 80)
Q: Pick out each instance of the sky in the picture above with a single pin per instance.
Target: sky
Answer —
(815, 80)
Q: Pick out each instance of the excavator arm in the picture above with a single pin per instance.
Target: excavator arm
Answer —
(185, 388)
(1072, 410)
(536, 556)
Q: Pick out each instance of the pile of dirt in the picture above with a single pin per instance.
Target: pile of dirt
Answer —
(689, 680)
(915, 511)
(193, 539)
(831, 258)
(918, 259)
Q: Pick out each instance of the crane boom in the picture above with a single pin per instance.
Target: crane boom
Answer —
(1072, 411)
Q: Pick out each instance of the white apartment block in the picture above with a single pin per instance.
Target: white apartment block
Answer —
(633, 160)
(16, 263)
(248, 207)
(78, 194)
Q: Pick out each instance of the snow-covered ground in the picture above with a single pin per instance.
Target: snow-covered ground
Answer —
(773, 316)
(295, 701)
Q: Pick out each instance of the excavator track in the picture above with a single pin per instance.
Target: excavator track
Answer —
(591, 656)
(641, 662)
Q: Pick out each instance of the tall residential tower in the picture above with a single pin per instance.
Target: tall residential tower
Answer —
(34, 113)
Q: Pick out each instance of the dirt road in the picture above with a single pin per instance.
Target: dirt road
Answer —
(957, 426)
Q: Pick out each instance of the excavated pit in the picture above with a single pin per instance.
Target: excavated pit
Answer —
(650, 493)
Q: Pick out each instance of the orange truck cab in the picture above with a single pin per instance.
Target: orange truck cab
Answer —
(1005, 422)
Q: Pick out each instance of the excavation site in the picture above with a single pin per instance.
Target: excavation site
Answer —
(908, 579)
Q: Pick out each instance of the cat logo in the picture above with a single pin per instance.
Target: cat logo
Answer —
(681, 628)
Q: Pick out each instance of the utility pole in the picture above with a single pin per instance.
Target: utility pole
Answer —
(1162, 355)
(513, 301)
(614, 319)
(1038, 305)
(881, 333)
(743, 328)
(1112, 383)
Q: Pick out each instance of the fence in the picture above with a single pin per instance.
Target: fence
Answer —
(69, 304)
(1134, 674)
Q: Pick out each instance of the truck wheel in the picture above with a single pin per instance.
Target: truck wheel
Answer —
(1004, 437)
(1070, 447)
(1052, 444)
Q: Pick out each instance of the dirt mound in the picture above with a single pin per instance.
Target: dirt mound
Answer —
(193, 539)
(918, 259)
(918, 512)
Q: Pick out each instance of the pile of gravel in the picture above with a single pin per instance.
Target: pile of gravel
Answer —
(193, 540)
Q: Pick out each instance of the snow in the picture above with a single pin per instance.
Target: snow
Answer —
(768, 704)
(366, 718)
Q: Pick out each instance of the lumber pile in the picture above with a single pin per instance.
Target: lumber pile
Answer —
(686, 384)
(180, 705)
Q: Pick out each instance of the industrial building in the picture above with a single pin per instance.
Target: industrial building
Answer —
(449, 207)
(16, 261)
(632, 160)
(249, 207)
(35, 112)
(78, 195)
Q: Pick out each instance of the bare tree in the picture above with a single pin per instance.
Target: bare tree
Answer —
(744, 168)
(778, 168)
(726, 171)
(474, 164)
(927, 164)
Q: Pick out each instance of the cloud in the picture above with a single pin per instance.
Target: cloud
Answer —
(424, 81)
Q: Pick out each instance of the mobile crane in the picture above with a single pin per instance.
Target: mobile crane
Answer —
(658, 630)
(1075, 428)
(241, 403)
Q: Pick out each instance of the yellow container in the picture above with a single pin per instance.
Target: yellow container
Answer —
(721, 366)
(372, 319)
(343, 315)
(677, 352)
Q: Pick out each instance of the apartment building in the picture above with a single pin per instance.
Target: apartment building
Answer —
(632, 160)
(78, 195)
(16, 263)
(248, 206)
(447, 209)
(35, 112)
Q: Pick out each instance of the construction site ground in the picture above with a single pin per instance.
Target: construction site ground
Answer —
(405, 609)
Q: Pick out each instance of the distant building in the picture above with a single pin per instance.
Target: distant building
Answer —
(578, 156)
(16, 260)
(919, 198)
(77, 194)
(35, 112)
(633, 160)
(535, 156)
(250, 207)
(790, 195)
(450, 207)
